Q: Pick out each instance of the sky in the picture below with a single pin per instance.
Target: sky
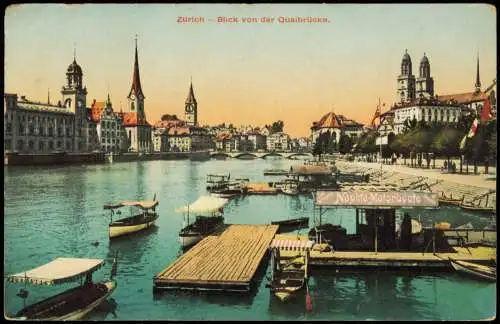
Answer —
(248, 73)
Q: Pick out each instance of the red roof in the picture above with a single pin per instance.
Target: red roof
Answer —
(331, 120)
(178, 131)
(96, 110)
(131, 119)
(223, 136)
(464, 98)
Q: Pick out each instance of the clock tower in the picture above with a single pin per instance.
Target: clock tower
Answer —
(191, 108)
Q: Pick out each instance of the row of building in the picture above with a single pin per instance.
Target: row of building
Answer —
(416, 100)
(70, 126)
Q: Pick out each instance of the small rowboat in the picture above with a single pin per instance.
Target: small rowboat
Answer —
(292, 224)
(472, 208)
(450, 201)
(275, 172)
(476, 270)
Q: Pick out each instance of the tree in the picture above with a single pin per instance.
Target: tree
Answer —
(169, 117)
(277, 127)
(410, 124)
(345, 144)
(447, 142)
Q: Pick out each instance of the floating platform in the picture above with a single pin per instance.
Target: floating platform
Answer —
(260, 189)
(226, 261)
(359, 259)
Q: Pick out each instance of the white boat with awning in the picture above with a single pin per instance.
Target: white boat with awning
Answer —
(72, 304)
(138, 221)
(209, 212)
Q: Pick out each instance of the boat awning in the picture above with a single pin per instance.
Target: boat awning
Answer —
(376, 199)
(204, 204)
(291, 244)
(145, 204)
(61, 270)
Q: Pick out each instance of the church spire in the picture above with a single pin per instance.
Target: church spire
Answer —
(136, 79)
(478, 83)
(190, 98)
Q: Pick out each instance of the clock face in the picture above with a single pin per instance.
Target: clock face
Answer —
(132, 97)
(79, 103)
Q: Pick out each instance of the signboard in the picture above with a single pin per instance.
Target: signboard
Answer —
(376, 199)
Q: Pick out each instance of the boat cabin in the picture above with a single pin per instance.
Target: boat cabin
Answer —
(217, 181)
(375, 228)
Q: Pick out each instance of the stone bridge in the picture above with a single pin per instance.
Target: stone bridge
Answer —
(257, 155)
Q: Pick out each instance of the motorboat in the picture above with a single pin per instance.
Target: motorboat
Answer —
(72, 304)
(209, 218)
(138, 221)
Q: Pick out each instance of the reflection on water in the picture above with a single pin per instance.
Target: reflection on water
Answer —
(105, 311)
(58, 211)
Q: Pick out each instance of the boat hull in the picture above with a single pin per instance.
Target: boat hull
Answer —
(117, 231)
(79, 313)
(189, 240)
(477, 271)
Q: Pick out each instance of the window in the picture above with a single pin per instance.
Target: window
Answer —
(51, 145)
(21, 129)
(41, 145)
(20, 145)
(68, 145)
(31, 145)
(51, 132)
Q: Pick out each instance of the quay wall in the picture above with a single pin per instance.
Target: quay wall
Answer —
(52, 158)
(129, 157)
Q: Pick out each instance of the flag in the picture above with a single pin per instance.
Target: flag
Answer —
(462, 143)
(473, 128)
(377, 115)
(486, 112)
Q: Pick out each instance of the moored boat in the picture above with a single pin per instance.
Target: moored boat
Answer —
(72, 304)
(138, 222)
(275, 172)
(209, 211)
(292, 224)
(476, 209)
(450, 201)
(290, 187)
(476, 270)
(289, 276)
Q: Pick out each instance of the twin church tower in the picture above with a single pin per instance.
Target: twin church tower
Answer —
(411, 88)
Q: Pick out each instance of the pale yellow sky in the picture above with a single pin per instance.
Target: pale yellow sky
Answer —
(249, 73)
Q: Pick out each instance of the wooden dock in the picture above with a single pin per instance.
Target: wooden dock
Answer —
(360, 259)
(227, 261)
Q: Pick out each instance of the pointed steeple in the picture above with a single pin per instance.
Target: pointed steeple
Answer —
(478, 83)
(136, 79)
(190, 98)
(48, 96)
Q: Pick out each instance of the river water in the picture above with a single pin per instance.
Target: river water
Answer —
(52, 212)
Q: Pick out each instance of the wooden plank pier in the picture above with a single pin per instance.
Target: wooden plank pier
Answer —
(226, 262)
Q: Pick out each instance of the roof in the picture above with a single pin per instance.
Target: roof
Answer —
(178, 131)
(332, 120)
(58, 271)
(145, 204)
(96, 110)
(204, 204)
(311, 169)
(291, 244)
(132, 119)
(464, 98)
(223, 136)
(377, 199)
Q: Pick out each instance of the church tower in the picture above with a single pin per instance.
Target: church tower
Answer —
(136, 96)
(425, 83)
(191, 108)
(406, 80)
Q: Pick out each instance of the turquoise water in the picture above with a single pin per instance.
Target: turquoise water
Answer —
(52, 212)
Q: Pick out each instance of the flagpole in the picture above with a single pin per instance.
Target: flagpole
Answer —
(380, 144)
